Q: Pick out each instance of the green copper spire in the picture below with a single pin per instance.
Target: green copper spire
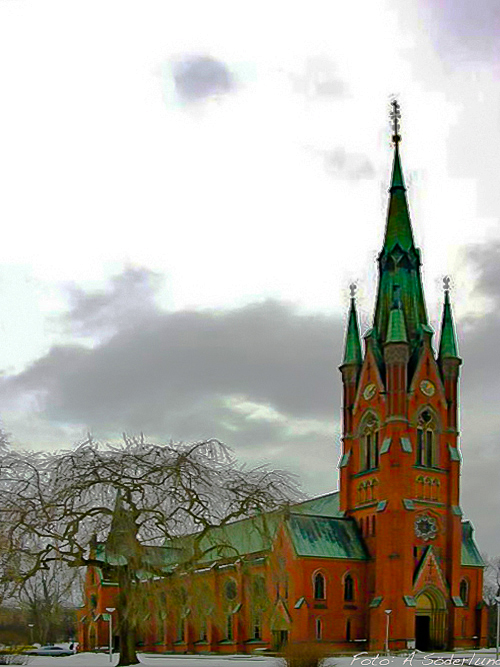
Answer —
(352, 350)
(399, 260)
(448, 343)
(398, 230)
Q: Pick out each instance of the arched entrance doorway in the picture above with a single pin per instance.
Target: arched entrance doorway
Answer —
(430, 619)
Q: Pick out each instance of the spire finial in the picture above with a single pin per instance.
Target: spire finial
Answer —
(352, 288)
(446, 283)
(395, 117)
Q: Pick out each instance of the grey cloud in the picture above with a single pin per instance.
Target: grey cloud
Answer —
(318, 78)
(129, 298)
(480, 388)
(199, 77)
(353, 166)
(171, 372)
(468, 30)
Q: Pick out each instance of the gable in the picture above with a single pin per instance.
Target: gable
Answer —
(427, 369)
(429, 573)
(369, 375)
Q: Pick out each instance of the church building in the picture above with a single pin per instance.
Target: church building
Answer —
(386, 562)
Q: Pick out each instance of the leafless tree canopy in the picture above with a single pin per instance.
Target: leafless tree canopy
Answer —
(133, 496)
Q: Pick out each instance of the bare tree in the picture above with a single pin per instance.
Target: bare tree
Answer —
(134, 497)
(491, 581)
(46, 597)
(491, 591)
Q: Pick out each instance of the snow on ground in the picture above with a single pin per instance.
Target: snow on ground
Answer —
(483, 658)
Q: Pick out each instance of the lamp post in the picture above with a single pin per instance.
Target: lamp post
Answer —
(110, 611)
(30, 626)
(497, 599)
(388, 616)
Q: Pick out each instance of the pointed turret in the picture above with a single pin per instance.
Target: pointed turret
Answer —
(399, 261)
(448, 348)
(448, 359)
(396, 329)
(396, 355)
(351, 363)
(352, 349)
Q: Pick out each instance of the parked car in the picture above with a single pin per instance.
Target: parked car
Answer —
(51, 650)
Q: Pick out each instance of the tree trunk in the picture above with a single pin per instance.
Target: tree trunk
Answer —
(128, 655)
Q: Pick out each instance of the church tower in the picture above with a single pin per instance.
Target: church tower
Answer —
(400, 465)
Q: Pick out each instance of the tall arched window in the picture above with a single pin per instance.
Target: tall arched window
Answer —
(426, 440)
(319, 586)
(348, 588)
(464, 591)
(369, 443)
(319, 629)
(348, 630)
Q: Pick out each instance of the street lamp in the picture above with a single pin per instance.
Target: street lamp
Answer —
(388, 613)
(110, 611)
(30, 626)
(497, 599)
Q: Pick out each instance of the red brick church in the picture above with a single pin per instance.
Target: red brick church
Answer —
(388, 558)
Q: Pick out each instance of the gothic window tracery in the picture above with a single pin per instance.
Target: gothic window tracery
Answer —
(369, 443)
(426, 440)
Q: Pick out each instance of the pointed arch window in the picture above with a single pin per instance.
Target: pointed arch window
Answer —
(464, 591)
(319, 586)
(348, 588)
(369, 441)
(426, 440)
(319, 628)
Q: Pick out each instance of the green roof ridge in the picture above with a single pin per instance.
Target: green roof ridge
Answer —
(448, 343)
(352, 349)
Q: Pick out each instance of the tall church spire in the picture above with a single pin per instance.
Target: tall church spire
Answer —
(448, 347)
(352, 350)
(399, 260)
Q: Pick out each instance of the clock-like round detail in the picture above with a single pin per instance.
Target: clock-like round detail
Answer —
(427, 387)
(426, 527)
(369, 391)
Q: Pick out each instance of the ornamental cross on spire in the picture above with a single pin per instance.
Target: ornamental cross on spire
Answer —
(353, 287)
(446, 283)
(395, 117)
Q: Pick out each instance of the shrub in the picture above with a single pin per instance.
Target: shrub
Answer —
(304, 655)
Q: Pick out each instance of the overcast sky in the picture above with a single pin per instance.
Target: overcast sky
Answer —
(187, 190)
